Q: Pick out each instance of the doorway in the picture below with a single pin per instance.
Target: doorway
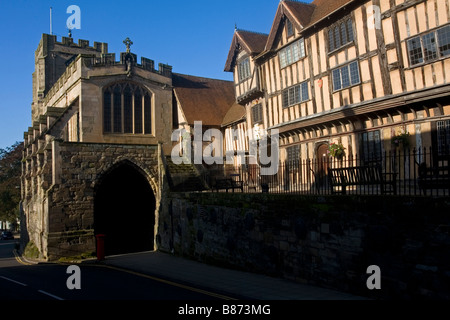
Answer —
(124, 210)
(322, 165)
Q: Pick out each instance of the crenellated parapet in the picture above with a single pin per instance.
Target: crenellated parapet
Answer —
(129, 60)
(52, 58)
(50, 43)
(81, 56)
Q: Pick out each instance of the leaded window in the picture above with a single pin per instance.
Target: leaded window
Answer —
(107, 112)
(340, 34)
(346, 76)
(257, 114)
(350, 36)
(430, 46)
(244, 69)
(444, 41)
(443, 137)
(290, 28)
(371, 146)
(127, 109)
(295, 95)
(292, 53)
(293, 155)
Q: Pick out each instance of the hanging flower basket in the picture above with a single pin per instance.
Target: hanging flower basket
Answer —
(336, 150)
(401, 140)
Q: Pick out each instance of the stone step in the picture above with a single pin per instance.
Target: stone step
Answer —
(184, 177)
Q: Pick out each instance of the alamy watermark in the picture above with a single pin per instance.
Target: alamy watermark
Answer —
(74, 281)
(74, 20)
(374, 281)
(263, 148)
(373, 17)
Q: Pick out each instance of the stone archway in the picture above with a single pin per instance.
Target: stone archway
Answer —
(124, 210)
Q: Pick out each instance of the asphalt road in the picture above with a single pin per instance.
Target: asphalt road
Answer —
(49, 282)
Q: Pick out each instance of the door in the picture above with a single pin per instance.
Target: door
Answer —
(322, 160)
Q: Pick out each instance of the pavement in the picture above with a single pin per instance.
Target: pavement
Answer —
(226, 282)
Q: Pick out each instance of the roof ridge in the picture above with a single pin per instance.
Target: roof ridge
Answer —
(255, 32)
(298, 1)
(199, 77)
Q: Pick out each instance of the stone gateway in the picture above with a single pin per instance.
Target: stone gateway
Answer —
(94, 156)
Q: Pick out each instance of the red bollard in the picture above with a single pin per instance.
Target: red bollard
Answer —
(100, 247)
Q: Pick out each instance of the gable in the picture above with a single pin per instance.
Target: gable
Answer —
(250, 42)
(302, 15)
(298, 13)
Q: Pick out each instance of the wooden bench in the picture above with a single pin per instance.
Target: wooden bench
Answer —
(229, 183)
(433, 177)
(361, 176)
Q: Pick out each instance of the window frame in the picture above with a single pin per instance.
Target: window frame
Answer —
(259, 111)
(244, 69)
(290, 30)
(442, 137)
(439, 55)
(297, 91)
(348, 74)
(340, 26)
(293, 154)
(371, 141)
(115, 103)
(448, 44)
(288, 51)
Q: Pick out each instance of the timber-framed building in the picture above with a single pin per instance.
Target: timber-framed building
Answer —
(354, 72)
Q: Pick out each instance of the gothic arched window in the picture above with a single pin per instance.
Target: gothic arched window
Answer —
(127, 109)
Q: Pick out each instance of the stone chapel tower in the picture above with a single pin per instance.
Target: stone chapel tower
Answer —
(94, 153)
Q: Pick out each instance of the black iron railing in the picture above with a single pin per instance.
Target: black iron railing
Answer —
(399, 172)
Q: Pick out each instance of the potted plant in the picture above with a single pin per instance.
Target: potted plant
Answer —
(336, 150)
(401, 140)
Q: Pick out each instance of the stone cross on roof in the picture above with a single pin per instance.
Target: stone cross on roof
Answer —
(128, 43)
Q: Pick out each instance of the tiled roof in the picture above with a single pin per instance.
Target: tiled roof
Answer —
(299, 14)
(303, 14)
(235, 113)
(325, 8)
(300, 11)
(203, 99)
(309, 14)
(252, 42)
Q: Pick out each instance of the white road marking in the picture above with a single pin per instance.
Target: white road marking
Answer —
(50, 295)
(17, 282)
(6, 244)
(25, 285)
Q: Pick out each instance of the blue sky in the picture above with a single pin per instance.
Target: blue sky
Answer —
(192, 36)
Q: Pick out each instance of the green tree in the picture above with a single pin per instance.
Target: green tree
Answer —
(10, 172)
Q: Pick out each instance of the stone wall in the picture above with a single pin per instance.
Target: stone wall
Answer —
(328, 241)
(68, 204)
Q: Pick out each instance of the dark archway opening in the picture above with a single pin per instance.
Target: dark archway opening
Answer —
(124, 210)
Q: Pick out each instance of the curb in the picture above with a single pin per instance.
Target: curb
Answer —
(25, 261)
